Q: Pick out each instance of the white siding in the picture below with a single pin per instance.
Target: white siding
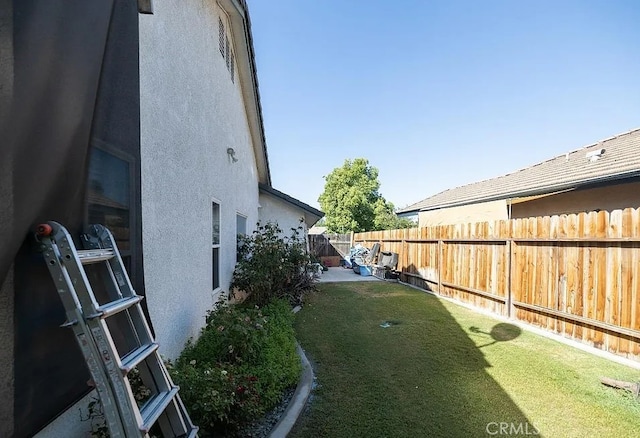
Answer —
(191, 112)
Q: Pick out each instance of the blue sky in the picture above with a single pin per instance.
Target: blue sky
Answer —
(438, 94)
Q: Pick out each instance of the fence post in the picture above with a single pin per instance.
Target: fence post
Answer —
(405, 255)
(508, 282)
(440, 249)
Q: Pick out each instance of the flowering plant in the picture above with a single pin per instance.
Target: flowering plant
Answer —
(239, 367)
(271, 265)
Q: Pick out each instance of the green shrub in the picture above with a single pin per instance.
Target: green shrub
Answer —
(219, 397)
(272, 266)
(239, 367)
(278, 365)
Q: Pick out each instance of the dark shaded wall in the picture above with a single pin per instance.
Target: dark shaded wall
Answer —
(6, 214)
(74, 88)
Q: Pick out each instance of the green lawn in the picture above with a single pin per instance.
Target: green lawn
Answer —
(438, 371)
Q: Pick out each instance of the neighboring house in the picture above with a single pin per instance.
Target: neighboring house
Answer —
(601, 176)
(412, 215)
(177, 168)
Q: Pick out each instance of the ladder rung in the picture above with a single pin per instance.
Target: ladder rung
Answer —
(152, 410)
(130, 360)
(88, 256)
(116, 306)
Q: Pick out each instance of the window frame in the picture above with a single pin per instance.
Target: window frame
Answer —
(216, 246)
(246, 219)
(105, 147)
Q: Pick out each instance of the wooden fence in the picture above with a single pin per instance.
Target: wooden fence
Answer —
(576, 275)
(323, 245)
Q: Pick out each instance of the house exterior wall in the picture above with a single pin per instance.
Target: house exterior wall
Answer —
(608, 198)
(481, 212)
(286, 215)
(191, 112)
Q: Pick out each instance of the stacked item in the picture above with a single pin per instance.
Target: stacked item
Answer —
(386, 266)
(361, 256)
(381, 264)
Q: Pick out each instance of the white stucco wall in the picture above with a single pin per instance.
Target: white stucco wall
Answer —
(191, 112)
(273, 209)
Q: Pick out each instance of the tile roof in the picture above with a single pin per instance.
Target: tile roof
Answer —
(620, 160)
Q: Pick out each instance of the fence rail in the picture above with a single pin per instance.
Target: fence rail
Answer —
(576, 275)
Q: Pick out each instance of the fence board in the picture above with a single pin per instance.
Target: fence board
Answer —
(577, 275)
(323, 245)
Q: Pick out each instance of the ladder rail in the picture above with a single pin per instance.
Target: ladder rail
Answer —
(97, 328)
(88, 318)
(75, 320)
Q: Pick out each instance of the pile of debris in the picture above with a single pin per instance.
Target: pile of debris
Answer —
(365, 261)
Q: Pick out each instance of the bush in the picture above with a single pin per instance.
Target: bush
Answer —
(239, 367)
(271, 266)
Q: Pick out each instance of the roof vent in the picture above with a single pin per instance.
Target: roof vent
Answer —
(595, 155)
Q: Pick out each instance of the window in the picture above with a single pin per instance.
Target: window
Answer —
(241, 230)
(215, 245)
(241, 224)
(226, 48)
(109, 198)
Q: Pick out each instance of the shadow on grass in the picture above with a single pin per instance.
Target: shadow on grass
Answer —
(501, 332)
(421, 375)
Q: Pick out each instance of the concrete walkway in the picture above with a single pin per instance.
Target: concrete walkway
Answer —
(340, 274)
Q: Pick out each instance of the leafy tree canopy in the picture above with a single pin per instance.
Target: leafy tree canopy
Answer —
(351, 200)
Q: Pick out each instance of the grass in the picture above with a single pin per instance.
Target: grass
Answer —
(443, 370)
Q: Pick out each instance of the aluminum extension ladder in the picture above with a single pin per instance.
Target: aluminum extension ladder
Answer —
(88, 320)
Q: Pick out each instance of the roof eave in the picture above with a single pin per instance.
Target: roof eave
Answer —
(540, 191)
(247, 74)
(314, 214)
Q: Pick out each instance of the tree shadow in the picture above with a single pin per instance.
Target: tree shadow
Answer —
(501, 332)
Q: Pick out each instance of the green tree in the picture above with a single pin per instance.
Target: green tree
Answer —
(387, 219)
(351, 200)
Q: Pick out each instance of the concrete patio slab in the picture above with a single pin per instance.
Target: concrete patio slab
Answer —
(340, 274)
